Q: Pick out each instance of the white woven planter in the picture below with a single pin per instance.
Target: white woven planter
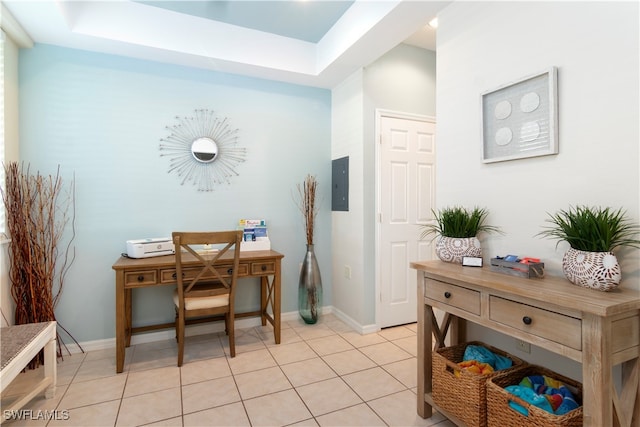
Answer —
(452, 249)
(594, 270)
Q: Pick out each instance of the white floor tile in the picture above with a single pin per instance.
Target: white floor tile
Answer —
(320, 375)
(328, 396)
(222, 416)
(277, 409)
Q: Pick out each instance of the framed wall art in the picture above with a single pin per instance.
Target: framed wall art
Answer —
(202, 148)
(520, 119)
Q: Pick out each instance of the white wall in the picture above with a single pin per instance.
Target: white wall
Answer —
(482, 45)
(347, 230)
(402, 80)
(10, 154)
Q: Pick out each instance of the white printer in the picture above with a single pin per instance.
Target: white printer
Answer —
(145, 248)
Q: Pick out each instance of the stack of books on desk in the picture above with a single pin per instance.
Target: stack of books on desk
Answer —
(255, 237)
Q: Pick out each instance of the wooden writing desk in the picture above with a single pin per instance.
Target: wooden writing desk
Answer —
(160, 271)
(598, 329)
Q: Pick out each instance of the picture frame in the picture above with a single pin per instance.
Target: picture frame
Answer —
(520, 119)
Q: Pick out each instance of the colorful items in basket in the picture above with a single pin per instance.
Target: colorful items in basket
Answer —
(545, 393)
(475, 367)
(481, 360)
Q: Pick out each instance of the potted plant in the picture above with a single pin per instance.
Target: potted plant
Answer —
(592, 233)
(458, 229)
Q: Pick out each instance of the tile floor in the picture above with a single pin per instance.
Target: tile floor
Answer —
(320, 375)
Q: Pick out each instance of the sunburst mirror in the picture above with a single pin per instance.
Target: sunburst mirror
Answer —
(202, 149)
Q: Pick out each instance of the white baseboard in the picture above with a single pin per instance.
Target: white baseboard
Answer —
(191, 330)
(362, 329)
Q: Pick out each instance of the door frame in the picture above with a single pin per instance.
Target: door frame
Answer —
(379, 114)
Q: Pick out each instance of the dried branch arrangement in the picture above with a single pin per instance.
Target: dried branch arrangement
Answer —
(307, 205)
(38, 210)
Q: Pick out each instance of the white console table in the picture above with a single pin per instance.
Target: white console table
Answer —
(598, 329)
(19, 344)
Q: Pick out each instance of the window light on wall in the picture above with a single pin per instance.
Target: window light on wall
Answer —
(2, 211)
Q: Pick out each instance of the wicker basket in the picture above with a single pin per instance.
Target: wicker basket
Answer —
(500, 414)
(463, 396)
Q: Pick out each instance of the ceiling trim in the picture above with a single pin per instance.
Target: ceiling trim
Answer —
(13, 29)
(366, 31)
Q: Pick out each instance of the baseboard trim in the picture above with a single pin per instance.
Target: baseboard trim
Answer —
(191, 330)
(362, 329)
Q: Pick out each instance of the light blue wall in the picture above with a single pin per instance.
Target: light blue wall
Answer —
(101, 117)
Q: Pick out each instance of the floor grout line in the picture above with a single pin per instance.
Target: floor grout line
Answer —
(253, 340)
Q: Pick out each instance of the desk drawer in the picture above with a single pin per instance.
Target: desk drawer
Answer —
(169, 275)
(260, 268)
(453, 295)
(546, 324)
(140, 278)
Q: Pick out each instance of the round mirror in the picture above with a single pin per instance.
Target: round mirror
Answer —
(204, 150)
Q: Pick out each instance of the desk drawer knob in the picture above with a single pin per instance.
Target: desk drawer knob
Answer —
(527, 320)
(141, 278)
(175, 275)
(447, 294)
(264, 268)
(230, 271)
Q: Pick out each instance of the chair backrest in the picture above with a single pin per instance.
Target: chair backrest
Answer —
(218, 264)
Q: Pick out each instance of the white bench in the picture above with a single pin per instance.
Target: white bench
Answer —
(19, 344)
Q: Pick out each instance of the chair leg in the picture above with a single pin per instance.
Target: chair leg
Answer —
(180, 336)
(226, 323)
(176, 323)
(231, 333)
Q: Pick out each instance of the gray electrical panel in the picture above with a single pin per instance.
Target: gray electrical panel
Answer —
(340, 184)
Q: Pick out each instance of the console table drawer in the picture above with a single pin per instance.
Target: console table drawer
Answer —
(140, 278)
(546, 324)
(258, 268)
(452, 295)
(169, 275)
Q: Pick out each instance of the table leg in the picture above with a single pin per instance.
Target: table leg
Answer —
(121, 321)
(630, 397)
(597, 379)
(425, 341)
(626, 405)
(270, 295)
(276, 301)
(51, 363)
(264, 299)
(128, 296)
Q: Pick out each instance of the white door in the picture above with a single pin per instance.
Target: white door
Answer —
(406, 186)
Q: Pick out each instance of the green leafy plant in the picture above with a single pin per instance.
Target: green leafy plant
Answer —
(457, 221)
(593, 229)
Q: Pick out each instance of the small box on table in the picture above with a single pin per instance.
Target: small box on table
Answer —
(528, 270)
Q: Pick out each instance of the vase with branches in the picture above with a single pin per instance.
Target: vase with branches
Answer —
(310, 283)
(39, 209)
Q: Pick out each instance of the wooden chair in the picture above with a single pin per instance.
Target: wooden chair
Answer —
(206, 288)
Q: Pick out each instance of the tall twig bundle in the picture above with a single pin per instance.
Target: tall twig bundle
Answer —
(38, 210)
(307, 205)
